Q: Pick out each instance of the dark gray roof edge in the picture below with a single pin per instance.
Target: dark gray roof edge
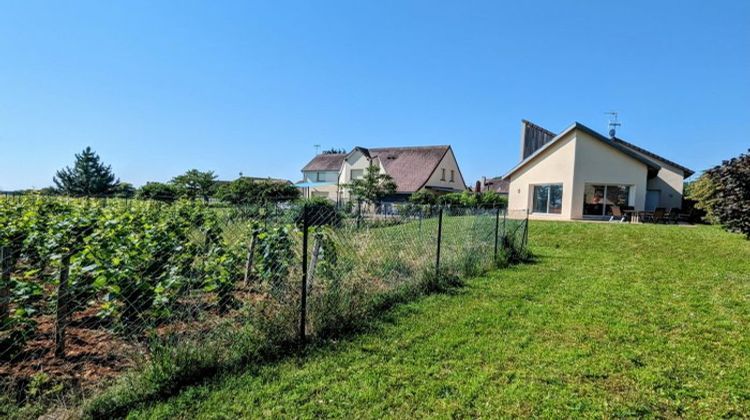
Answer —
(687, 171)
(578, 126)
(623, 149)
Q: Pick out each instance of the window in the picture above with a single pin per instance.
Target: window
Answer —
(599, 199)
(548, 198)
(442, 174)
(318, 177)
(453, 175)
(357, 173)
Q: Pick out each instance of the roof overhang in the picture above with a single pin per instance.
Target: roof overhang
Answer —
(313, 184)
(652, 166)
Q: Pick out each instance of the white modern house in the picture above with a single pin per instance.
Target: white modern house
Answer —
(412, 168)
(581, 174)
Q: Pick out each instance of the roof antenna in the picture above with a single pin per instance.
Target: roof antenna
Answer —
(317, 148)
(613, 123)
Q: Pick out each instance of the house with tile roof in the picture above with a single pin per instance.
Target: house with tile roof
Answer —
(581, 174)
(412, 168)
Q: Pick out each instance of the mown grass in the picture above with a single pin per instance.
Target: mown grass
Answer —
(612, 320)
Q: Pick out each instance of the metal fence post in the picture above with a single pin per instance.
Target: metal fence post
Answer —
(303, 303)
(497, 229)
(526, 231)
(439, 240)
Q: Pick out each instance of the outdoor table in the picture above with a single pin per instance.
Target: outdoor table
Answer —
(634, 218)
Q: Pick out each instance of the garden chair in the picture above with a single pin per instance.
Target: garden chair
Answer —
(658, 215)
(617, 214)
(673, 215)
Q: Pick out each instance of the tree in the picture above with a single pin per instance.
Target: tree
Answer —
(703, 192)
(246, 191)
(493, 199)
(195, 184)
(157, 191)
(464, 199)
(732, 195)
(124, 190)
(424, 196)
(88, 177)
(334, 151)
(373, 186)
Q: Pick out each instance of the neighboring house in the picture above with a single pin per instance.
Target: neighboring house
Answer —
(497, 184)
(412, 169)
(581, 174)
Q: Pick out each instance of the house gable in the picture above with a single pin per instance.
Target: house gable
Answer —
(446, 175)
(553, 165)
(598, 164)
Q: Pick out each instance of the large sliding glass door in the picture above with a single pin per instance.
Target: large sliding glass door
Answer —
(548, 198)
(599, 199)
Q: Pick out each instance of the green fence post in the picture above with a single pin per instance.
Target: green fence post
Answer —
(303, 303)
(439, 240)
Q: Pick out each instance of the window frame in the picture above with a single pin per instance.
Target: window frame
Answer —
(442, 174)
(453, 176)
(605, 192)
(549, 197)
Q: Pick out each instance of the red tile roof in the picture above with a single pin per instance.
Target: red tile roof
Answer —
(410, 167)
(325, 162)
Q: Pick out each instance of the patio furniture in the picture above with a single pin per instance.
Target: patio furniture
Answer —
(672, 216)
(617, 214)
(632, 215)
(657, 216)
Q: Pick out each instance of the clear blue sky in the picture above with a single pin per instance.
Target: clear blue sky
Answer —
(158, 87)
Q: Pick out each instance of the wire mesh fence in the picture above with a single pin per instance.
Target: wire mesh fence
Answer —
(91, 289)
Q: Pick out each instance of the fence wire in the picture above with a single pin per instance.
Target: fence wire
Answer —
(90, 288)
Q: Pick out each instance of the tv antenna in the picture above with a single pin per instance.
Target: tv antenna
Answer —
(317, 148)
(614, 122)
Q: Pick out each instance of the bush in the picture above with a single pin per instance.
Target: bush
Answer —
(320, 211)
(247, 191)
(492, 199)
(424, 197)
(702, 192)
(158, 191)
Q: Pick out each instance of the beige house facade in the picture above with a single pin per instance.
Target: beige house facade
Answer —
(581, 174)
(412, 169)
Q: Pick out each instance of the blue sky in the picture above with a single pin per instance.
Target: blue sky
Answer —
(159, 87)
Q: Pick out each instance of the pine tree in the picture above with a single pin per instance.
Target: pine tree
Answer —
(88, 177)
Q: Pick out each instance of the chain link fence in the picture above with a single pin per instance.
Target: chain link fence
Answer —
(92, 291)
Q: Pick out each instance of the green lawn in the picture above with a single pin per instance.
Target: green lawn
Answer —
(612, 320)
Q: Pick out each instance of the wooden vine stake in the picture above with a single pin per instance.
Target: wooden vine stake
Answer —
(5, 266)
(62, 315)
(314, 260)
(249, 260)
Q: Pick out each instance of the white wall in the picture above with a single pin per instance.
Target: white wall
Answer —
(669, 181)
(357, 161)
(574, 161)
(598, 163)
(448, 163)
(553, 166)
